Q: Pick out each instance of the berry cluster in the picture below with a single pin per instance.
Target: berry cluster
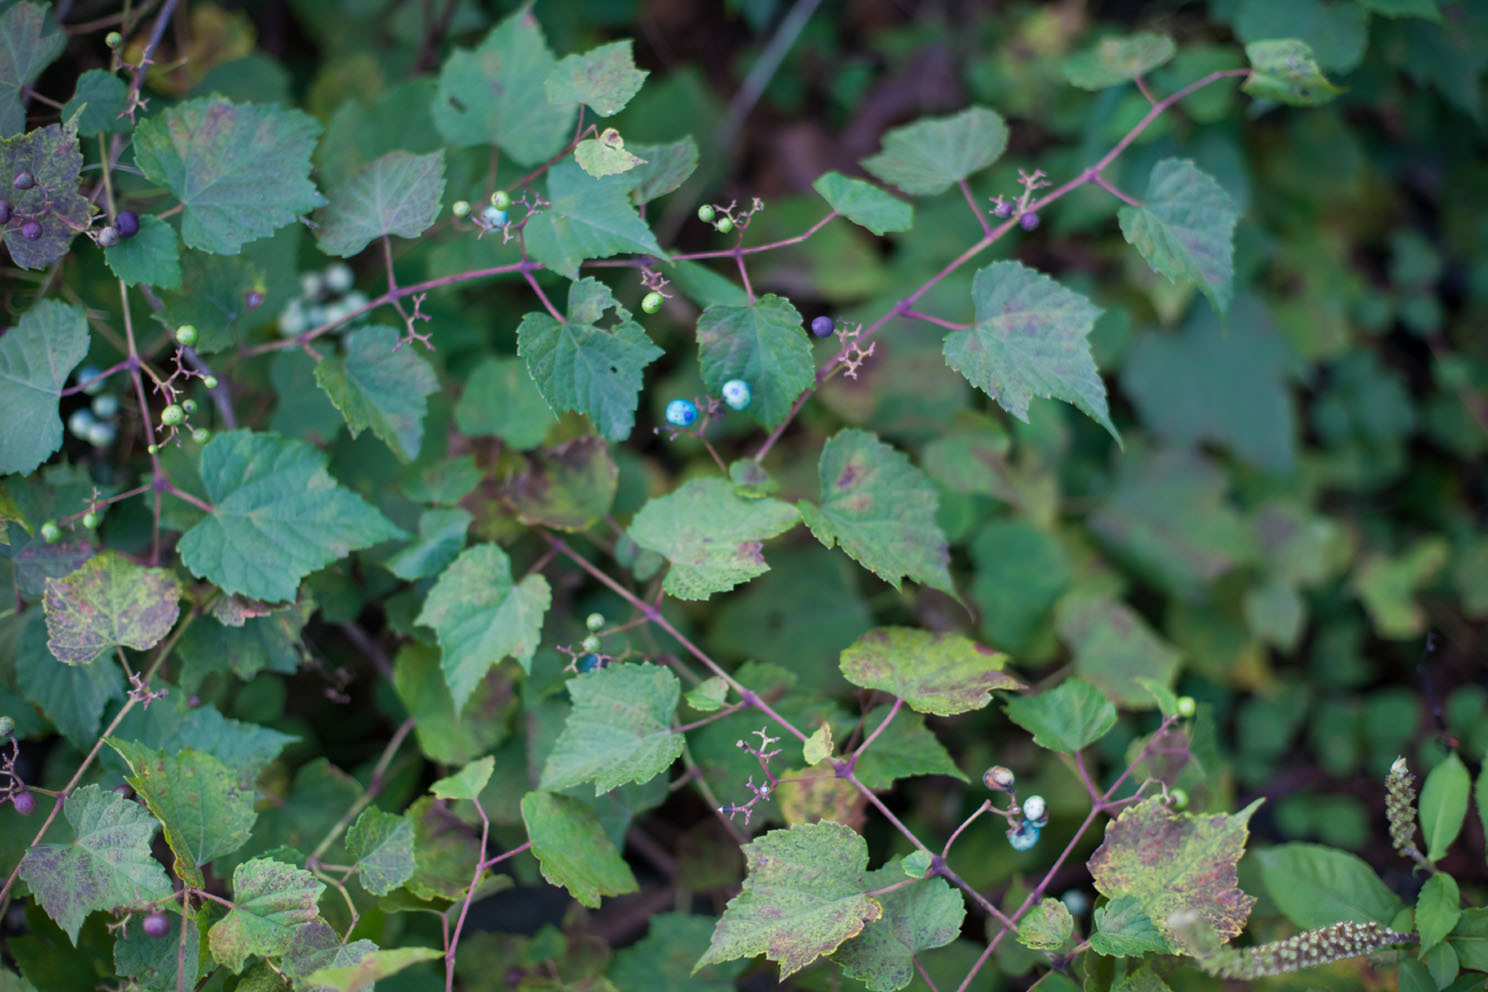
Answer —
(95, 423)
(1025, 821)
(726, 219)
(326, 297)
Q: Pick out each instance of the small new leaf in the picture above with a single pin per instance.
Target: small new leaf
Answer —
(1071, 716)
(1285, 71)
(382, 386)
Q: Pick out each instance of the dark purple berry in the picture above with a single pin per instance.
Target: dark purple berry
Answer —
(24, 179)
(4, 211)
(1028, 221)
(1003, 209)
(156, 925)
(822, 326)
(24, 803)
(128, 223)
(109, 236)
(31, 230)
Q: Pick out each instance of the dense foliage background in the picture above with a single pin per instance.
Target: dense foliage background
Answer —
(1290, 529)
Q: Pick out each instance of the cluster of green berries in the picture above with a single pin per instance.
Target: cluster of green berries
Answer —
(325, 297)
(709, 215)
(493, 214)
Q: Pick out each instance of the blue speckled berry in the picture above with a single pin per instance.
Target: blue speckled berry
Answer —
(681, 413)
(591, 663)
(1023, 837)
(495, 217)
(1037, 811)
(736, 394)
(822, 326)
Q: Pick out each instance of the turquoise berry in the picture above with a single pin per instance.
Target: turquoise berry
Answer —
(594, 621)
(1023, 836)
(50, 532)
(105, 405)
(651, 302)
(590, 644)
(7, 727)
(706, 213)
(501, 199)
(681, 413)
(822, 326)
(494, 217)
(736, 394)
(591, 663)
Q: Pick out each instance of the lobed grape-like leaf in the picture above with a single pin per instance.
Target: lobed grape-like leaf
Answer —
(383, 846)
(398, 193)
(1185, 229)
(939, 673)
(36, 357)
(277, 515)
(152, 256)
(917, 918)
(864, 203)
(382, 386)
(605, 78)
(572, 850)
(108, 864)
(620, 729)
(29, 42)
(586, 217)
(272, 901)
(242, 171)
(1118, 60)
(934, 153)
(712, 536)
(881, 509)
(109, 602)
(1068, 717)
(803, 897)
(762, 343)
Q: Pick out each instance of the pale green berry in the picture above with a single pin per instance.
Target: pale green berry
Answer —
(186, 335)
(706, 213)
(1187, 707)
(724, 225)
(189, 406)
(172, 415)
(590, 644)
(594, 621)
(90, 521)
(501, 199)
(460, 208)
(209, 381)
(651, 302)
(113, 39)
(50, 532)
(1179, 798)
(200, 435)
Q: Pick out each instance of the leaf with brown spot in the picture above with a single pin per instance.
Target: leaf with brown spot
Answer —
(567, 487)
(1176, 863)
(943, 674)
(109, 602)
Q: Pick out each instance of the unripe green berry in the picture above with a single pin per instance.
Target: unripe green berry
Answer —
(50, 532)
(153, 449)
(113, 39)
(186, 335)
(200, 435)
(594, 621)
(706, 213)
(1187, 707)
(210, 381)
(7, 727)
(501, 199)
(90, 521)
(724, 225)
(651, 302)
(1179, 798)
(189, 406)
(460, 208)
(590, 644)
(172, 415)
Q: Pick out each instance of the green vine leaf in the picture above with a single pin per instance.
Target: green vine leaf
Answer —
(918, 918)
(1176, 863)
(1124, 930)
(383, 846)
(372, 967)
(864, 203)
(578, 365)
(605, 78)
(764, 344)
(109, 602)
(482, 616)
(1285, 71)
(938, 673)
(881, 509)
(271, 901)
(1315, 886)
(1443, 805)
(277, 515)
(36, 357)
(152, 256)
(586, 217)
(1112, 61)
(205, 809)
(495, 94)
(934, 153)
(803, 897)
(620, 729)
(1185, 229)
(1046, 925)
(1068, 717)
(1030, 339)
(398, 193)
(572, 850)
(29, 42)
(382, 383)
(242, 171)
(108, 865)
(713, 537)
